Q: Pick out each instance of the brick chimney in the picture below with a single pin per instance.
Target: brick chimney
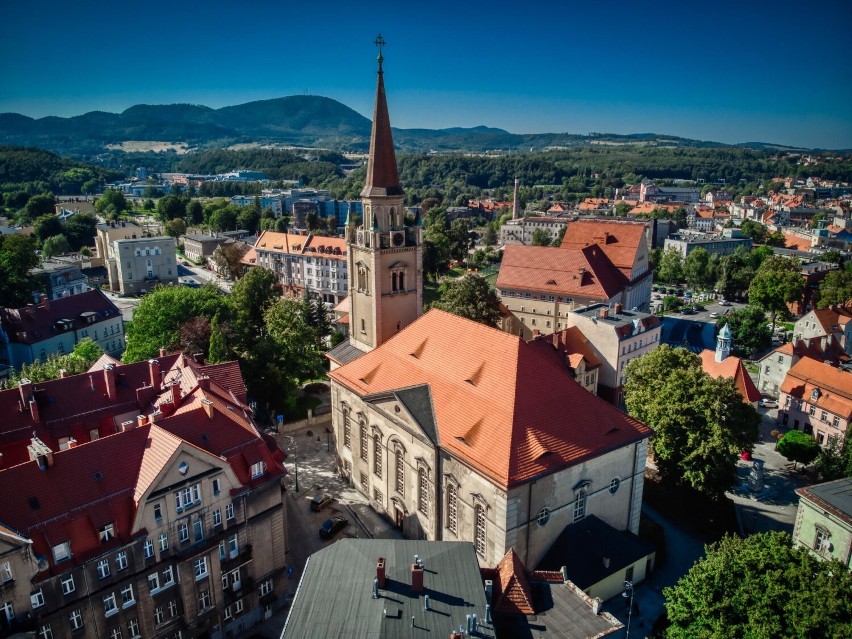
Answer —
(154, 371)
(208, 407)
(176, 393)
(162, 351)
(618, 308)
(34, 410)
(417, 578)
(41, 453)
(204, 382)
(109, 380)
(142, 420)
(380, 572)
(25, 386)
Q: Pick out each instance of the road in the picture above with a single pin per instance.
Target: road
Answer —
(203, 276)
(696, 330)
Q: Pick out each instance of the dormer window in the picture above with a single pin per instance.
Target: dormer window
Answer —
(257, 470)
(815, 393)
(62, 551)
(105, 533)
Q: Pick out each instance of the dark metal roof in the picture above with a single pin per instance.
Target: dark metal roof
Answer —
(837, 494)
(335, 594)
(344, 352)
(382, 177)
(582, 547)
(418, 401)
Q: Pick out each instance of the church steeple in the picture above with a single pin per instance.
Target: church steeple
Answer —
(723, 343)
(382, 176)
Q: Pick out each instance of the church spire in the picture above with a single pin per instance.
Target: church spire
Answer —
(382, 176)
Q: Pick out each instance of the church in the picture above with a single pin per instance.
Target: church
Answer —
(452, 429)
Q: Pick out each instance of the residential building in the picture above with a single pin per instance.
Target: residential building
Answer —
(422, 426)
(626, 244)
(715, 245)
(147, 501)
(135, 264)
(59, 279)
(199, 247)
(720, 363)
(304, 263)
(521, 231)
(817, 398)
(824, 520)
(541, 285)
(579, 354)
(775, 364)
(826, 323)
(649, 192)
(616, 336)
(107, 233)
(53, 327)
(437, 584)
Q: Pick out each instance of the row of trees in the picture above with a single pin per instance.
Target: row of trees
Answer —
(278, 341)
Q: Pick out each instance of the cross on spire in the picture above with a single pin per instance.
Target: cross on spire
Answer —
(380, 42)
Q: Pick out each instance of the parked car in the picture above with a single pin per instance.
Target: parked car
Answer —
(724, 303)
(714, 315)
(687, 311)
(320, 501)
(698, 307)
(184, 263)
(331, 527)
(768, 403)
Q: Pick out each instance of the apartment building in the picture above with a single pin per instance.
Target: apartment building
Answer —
(521, 231)
(145, 504)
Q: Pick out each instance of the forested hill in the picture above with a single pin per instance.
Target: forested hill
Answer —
(300, 120)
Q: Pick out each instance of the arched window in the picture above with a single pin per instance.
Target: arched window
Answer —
(452, 509)
(422, 491)
(377, 455)
(580, 504)
(363, 441)
(393, 281)
(400, 473)
(347, 429)
(479, 541)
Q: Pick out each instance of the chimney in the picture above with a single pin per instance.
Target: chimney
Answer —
(380, 572)
(109, 379)
(44, 302)
(417, 578)
(162, 351)
(141, 420)
(208, 407)
(199, 358)
(72, 443)
(176, 393)
(603, 313)
(515, 200)
(154, 370)
(596, 606)
(41, 453)
(619, 307)
(26, 388)
(63, 373)
(204, 382)
(34, 409)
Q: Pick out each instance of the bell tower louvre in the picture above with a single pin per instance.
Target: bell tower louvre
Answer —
(384, 252)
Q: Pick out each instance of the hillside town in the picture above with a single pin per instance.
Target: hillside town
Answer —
(294, 413)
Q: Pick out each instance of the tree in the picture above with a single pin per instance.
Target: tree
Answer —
(436, 252)
(157, 320)
(194, 212)
(798, 447)
(84, 354)
(311, 220)
(218, 351)
(749, 329)
(835, 288)
(671, 266)
(170, 207)
(297, 343)
(46, 226)
(763, 588)
(460, 238)
(540, 237)
(17, 258)
(489, 237)
(248, 219)
(696, 269)
(227, 259)
(55, 245)
(175, 227)
(111, 203)
(776, 283)
(223, 219)
(250, 297)
(701, 423)
(80, 230)
(39, 205)
(470, 297)
(194, 335)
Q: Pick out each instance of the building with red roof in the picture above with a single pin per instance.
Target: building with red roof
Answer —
(720, 363)
(816, 398)
(146, 500)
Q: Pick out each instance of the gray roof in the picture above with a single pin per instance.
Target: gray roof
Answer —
(837, 494)
(344, 352)
(560, 613)
(582, 547)
(335, 594)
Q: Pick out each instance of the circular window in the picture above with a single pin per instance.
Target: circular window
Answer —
(183, 468)
(543, 516)
(614, 484)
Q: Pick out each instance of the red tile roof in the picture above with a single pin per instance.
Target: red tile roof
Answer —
(499, 402)
(571, 342)
(731, 368)
(834, 384)
(38, 322)
(514, 592)
(619, 240)
(585, 272)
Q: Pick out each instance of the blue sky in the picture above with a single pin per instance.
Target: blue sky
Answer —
(726, 71)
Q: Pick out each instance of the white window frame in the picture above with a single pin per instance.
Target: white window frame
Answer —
(103, 568)
(233, 546)
(148, 549)
(121, 560)
(480, 529)
(133, 628)
(183, 532)
(45, 632)
(229, 511)
(67, 585)
(188, 497)
(62, 551)
(75, 619)
(154, 582)
(127, 597)
(163, 542)
(266, 587)
(168, 576)
(217, 486)
(217, 517)
(204, 601)
(258, 469)
(107, 532)
(200, 568)
(110, 606)
(37, 598)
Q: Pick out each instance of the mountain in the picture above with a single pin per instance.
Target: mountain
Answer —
(299, 120)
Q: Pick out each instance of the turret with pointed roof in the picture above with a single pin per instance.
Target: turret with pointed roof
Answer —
(382, 175)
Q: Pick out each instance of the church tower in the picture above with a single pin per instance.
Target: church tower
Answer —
(384, 253)
(723, 344)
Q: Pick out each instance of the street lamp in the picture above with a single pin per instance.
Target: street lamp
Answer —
(628, 593)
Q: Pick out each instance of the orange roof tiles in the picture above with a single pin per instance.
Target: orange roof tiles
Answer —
(585, 272)
(731, 368)
(835, 386)
(272, 241)
(499, 402)
(515, 594)
(619, 240)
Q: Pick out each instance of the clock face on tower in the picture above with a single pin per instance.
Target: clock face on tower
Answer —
(398, 239)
